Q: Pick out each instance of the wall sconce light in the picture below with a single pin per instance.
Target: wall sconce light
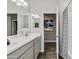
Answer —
(20, 3)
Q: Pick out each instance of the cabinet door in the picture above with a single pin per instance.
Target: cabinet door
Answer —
(28, 54)
(37, 48)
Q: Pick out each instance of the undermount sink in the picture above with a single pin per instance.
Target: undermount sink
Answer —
(16, 40)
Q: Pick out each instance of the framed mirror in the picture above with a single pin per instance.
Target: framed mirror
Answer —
(26, 21)
(35, 21)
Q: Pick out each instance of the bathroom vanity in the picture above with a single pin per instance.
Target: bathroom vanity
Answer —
(25, 48)
(20, 22)
(23, 45)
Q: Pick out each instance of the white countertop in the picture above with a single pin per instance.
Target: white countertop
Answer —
(17, 41)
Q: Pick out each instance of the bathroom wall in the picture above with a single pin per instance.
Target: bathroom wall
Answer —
(63, 4)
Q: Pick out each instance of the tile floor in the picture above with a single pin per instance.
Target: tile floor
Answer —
(50, 51)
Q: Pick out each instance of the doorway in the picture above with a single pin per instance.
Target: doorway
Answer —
(50, 27)
(49, 37)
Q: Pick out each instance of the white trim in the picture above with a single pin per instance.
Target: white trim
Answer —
(14, 20)
(50, 41)
(42, 29)
(42, 48)
(57, 33)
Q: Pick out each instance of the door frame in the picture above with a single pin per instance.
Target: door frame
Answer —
(57, 31)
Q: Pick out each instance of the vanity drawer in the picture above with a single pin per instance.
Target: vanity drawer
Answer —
(37, 47)
(20, 51)
(28, 54)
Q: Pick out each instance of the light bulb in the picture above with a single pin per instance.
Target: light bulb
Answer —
(13, 0)
(25, 4)
(21, 0)
(18, 3)
(36, 16)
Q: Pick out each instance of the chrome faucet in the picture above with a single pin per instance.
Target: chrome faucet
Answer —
(26, 34)
(21, 32)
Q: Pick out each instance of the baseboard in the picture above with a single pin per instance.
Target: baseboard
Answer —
(50, 41)
(42, 51)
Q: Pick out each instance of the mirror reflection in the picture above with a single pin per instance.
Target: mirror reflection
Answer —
(11, 24)
(35, 21)
(17, 17)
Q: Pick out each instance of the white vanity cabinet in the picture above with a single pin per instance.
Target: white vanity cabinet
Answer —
(30, 50)
(25, 52)
(37, 47)
(28, 54)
